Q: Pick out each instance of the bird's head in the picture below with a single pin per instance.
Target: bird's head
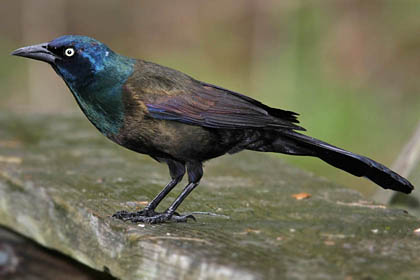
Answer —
(78, 59)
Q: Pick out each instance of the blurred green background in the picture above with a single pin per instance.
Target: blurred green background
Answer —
(350, 68)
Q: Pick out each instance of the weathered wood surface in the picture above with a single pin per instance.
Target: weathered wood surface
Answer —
(60, 181)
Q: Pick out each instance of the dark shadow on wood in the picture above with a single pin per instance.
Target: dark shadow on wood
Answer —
(21, 258)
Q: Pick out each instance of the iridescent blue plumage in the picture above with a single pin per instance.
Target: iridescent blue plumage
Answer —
(95, 75)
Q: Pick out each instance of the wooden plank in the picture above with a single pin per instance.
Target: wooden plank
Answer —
(65, 180)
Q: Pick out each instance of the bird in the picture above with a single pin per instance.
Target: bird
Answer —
(181, 121)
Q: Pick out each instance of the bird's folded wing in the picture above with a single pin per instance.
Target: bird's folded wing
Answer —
(214, 107)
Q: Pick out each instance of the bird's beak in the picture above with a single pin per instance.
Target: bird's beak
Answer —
(38, 52)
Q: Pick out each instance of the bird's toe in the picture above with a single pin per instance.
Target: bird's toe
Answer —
(183, 218)
(129, 216)
(151, 217)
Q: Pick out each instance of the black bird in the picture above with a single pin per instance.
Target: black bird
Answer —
(180, 121)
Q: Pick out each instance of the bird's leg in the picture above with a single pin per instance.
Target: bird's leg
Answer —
(177, 171)
(171, 210)
(195, 172)
(149, 210)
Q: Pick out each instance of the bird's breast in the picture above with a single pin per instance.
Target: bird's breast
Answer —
(103, 107)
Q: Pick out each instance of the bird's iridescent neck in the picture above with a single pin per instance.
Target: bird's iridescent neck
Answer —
(99, 94)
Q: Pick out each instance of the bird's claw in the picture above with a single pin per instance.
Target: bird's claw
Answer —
(152, 217)
(183, 218)
(125, 215)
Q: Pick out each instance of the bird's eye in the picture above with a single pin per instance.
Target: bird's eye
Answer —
(69, 52)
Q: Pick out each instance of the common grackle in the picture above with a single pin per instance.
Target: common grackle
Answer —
(175, 119)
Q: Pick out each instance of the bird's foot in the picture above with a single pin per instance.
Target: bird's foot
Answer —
(151, 217)
(127, 216)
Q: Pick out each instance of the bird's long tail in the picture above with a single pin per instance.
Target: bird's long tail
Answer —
(299, 144)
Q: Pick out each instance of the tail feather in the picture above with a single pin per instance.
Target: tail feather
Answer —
(354, 164)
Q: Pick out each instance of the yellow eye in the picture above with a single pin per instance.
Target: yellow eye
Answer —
(69, 52)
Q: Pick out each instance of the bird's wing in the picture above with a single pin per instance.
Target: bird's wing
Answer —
(214, 107)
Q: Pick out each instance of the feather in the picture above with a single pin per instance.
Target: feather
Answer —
(214, 107)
